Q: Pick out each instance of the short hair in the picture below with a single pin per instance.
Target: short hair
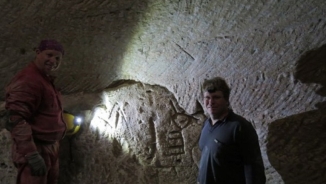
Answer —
(216, 84)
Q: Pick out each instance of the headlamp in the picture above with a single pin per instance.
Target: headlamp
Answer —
(72, 123)
(78, 120)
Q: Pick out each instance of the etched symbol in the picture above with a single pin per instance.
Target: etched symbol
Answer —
(175, 143)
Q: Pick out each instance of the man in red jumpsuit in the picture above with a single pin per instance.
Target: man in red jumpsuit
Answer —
(35, 117)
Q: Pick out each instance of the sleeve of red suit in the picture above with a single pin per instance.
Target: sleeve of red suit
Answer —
(23, 96)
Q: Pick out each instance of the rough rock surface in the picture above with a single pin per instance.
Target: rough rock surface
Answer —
(136, 67)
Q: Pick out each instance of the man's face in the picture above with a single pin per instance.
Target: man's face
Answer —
(48, 60)
(216, 105)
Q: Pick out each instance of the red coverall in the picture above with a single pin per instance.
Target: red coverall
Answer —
(33, 96)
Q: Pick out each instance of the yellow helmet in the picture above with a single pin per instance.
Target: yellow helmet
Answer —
(72, 123)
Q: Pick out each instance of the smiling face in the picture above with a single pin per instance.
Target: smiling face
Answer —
(48, 60)
(216, 105)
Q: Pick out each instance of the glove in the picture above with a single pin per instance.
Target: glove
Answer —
(37, 164)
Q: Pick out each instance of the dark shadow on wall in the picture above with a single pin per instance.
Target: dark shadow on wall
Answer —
(297, 144)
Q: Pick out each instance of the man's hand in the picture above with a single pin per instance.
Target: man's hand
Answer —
(37, 164)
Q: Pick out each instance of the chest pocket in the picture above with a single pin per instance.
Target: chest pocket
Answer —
(221, 150)
(226, 152)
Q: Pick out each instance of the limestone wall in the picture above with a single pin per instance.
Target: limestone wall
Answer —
(136, 67)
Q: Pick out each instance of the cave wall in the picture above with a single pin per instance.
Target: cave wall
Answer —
(136, 67)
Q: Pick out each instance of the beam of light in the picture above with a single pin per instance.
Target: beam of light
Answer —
(104, 123)
(100, 122)
(105, 117)
(136, 54)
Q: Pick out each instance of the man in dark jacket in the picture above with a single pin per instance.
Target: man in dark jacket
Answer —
(35, 117)
(230, 152)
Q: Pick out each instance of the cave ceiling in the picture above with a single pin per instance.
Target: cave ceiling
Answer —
(174, 44)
